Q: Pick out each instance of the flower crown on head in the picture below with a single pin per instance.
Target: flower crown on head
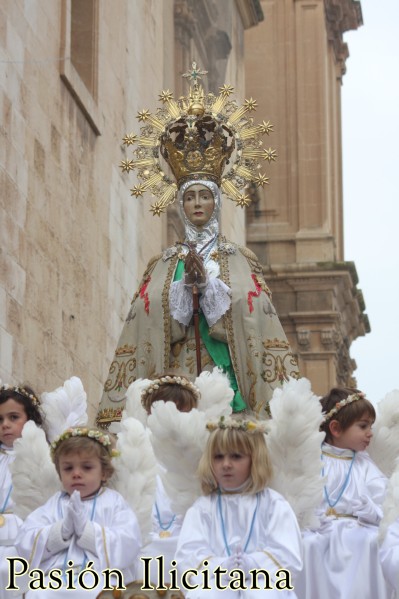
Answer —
(249, 426)
(21, 391)
(341, 404)
(170, 380)
(91, 433)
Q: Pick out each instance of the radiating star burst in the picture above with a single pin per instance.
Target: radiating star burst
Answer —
(266, 127)
(261, 180)
(157, 209)
(143, 115)
(165, 96)
(243, 200)
(126, 166)
(137, 190)
(130, 139)
(250, 104)
(270, 155)
(226, 90)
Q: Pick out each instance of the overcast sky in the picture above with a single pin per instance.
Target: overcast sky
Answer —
(370, 120)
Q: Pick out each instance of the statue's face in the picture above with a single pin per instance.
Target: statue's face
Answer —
(198, 204)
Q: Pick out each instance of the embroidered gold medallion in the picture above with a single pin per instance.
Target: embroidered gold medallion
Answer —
(164, 534)
(331, 512)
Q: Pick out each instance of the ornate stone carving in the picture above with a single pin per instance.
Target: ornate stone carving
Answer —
(303, 336)
(341, 16)
(251, 12)
(329, 337)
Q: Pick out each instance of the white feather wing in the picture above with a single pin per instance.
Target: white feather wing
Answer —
(384, 446)
(135, 471)
(216, 393)
(294, 444)
(34, 476)
(178, 439)
(133, 407)
(64, 407)
(391, 503)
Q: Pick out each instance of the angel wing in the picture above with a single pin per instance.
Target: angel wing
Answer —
(135, 470)
(216, 393)
(294, 444)
(391, 503)
(34, 477)
(384, 446)
(178, 440)
(64, 407)
(134, 407)
(390, 506)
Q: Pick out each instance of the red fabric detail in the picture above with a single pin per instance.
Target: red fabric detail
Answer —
(144, 295)
(252, 294)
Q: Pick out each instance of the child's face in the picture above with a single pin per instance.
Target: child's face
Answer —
(12, 420)
(231, 469)
(82, 472)
(356, 437)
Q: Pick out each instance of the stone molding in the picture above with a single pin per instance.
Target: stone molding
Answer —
(322, 312)
(250, 11)
(341, 16)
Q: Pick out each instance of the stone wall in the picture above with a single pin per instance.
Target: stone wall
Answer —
(295, 61)
(73, 240)
(74, 243)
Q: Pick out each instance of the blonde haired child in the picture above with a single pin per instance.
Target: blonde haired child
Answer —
(18, 404)
(86, 522)
(341, 558)
(239, 522)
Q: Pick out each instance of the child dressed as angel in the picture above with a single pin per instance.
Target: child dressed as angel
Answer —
(84, 523)
(240, 525)
(174, 410)
(341, 558)
(18, 405)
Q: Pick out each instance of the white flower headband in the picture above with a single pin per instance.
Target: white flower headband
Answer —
(341, 404)
(170, 380)
(249, 426)
(21, 391)
(91, 433)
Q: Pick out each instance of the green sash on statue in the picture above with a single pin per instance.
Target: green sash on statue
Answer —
(218, 351)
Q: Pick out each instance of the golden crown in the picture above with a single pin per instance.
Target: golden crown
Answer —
(196, 135)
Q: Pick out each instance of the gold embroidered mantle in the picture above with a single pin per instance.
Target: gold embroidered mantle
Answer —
(152, 342)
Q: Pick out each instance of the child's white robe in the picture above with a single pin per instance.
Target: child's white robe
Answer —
(166, 527)
(341, 558)
(11, 523)
(111, 539)
(274, 541)
(390, 556)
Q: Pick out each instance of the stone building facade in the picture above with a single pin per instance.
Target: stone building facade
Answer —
(73, 76)
(74, 243)
(294, 65)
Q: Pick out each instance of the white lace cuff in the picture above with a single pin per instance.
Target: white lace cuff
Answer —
(215, 300)
(181, 302)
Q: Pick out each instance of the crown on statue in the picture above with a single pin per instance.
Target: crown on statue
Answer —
(197, 148)
(197, 135)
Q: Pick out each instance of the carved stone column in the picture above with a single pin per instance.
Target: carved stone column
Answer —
(321, 310)
(295, 60)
